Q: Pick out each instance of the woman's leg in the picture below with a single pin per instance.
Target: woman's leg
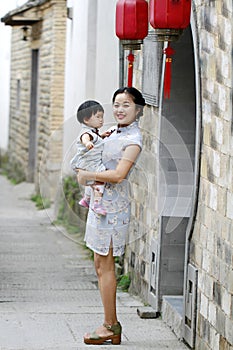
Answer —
(105, 269)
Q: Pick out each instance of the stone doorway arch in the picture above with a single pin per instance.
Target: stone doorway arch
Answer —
(179, 150)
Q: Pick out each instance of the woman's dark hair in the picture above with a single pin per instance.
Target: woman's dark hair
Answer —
(87, 109)
(135, 94)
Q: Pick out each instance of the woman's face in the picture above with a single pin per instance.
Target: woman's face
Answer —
(124, 109)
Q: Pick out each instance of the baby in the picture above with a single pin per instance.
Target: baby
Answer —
(89, 151)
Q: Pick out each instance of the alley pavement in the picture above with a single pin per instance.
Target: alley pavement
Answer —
(48, 288)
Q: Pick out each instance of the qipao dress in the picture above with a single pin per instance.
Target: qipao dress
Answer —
(111, 230)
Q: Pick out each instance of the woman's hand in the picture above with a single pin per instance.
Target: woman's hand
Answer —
(81, 177)
(84, 176)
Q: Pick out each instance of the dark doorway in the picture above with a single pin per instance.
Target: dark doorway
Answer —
(33, 116)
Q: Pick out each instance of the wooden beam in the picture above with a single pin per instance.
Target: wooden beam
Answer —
(19, 20)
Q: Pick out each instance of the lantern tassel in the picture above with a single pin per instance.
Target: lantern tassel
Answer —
(130, 58)
(168, 70)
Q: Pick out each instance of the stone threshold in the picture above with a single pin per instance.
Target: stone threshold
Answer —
(172, 313)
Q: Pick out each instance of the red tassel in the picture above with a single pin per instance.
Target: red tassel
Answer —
(168, 70)
(130, 68)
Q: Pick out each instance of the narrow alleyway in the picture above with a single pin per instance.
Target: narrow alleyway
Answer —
(48, 293)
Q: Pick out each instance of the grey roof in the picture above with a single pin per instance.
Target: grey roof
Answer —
(29, 4)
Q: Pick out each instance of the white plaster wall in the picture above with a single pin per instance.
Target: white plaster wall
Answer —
(107, 57)
(5, 32)
(5, 46)
(107, 64)
(76, 53)
(5, 42)
(91, 63)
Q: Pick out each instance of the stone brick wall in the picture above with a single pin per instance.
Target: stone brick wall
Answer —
(212, 250)
(211, 245)
(144, 209)
(51, 96)
(19, 105)
(48, 36)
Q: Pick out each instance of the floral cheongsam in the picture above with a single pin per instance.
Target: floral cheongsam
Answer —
(111, 230)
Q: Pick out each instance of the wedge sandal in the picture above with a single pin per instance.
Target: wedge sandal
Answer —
(115, 338)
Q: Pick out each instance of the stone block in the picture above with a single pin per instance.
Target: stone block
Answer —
(214, 339)
(215, 160)
(228, 253)
(226, 302)
(205, 330)
(221, 322)
(226, 229)
(217, 296)
(229, 205)
(147, 312)
(207, 261)
(230, 283)
(212, 313)
(204, 306)
(229, 330)
(213, 196)
(224, 271)
(207, 134)
(172, 312)
(223, 344)
(221, 200)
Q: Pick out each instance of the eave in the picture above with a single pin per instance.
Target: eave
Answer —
(26, 14)
(17, 20)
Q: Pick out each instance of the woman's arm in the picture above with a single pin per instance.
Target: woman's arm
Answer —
(114, 176)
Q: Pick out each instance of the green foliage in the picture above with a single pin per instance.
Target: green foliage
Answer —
(70, 213)
(69, 209)
(124, 283)
(41, 203)
(13, 171)
(72, 194)
(3, 161)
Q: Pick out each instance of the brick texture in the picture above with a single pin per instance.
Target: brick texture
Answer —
(47, 36)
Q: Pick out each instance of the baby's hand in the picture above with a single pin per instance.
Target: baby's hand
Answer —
(106, 133)
(89, 145)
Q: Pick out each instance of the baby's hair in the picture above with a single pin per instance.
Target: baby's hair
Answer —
(135, 94)
(87, 109)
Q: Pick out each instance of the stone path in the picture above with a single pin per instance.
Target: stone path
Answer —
(48, 291)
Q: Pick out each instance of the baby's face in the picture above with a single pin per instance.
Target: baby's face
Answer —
(96, 120)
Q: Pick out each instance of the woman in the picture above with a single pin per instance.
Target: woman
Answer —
(106, 235)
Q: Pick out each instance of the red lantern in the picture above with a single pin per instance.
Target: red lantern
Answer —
(169, 18)
(131, 27)
(172, 14)
(132, 21)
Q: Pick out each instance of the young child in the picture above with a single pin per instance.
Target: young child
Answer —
(89, 151)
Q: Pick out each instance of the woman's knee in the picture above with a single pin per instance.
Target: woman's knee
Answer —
(104, 263)
(97, 263)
